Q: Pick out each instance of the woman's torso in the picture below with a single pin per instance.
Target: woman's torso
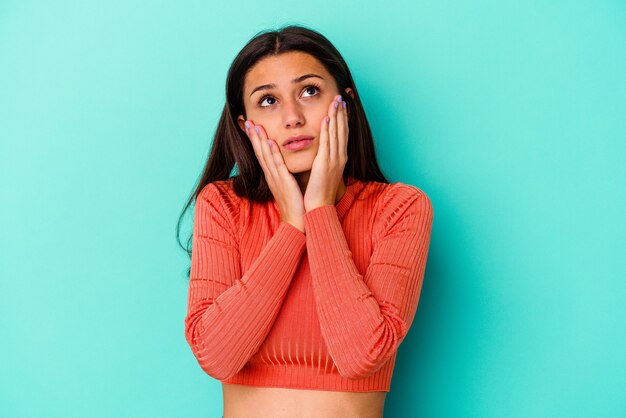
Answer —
(242, 401)
(247, 401)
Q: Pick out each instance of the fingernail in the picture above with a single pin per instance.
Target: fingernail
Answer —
(343, 104)
(256, 128)
(269, 143)
(327, 120)
(336, 104)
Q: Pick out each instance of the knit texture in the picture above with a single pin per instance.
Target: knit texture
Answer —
(269, 305)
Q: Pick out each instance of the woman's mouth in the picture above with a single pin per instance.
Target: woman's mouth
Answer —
(299, 144)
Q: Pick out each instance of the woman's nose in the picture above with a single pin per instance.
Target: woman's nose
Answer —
(292, 114)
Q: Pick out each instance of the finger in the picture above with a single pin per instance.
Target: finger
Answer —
(323, 147)
(278, 159)
(253, 140)
(347, 131)
(332, 130)
(341, 131)
(267, 152)
(256, 145)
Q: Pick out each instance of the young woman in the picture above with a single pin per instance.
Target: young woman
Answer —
(306, 264)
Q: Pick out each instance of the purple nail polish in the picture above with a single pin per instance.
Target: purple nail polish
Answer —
(343, 104)
(336, 104)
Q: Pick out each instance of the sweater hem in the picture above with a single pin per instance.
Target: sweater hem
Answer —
(304, 377)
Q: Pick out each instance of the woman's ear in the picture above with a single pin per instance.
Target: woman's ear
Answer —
(350, 92)
(241, 121)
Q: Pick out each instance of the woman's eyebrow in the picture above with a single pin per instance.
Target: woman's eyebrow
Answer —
(294, 81)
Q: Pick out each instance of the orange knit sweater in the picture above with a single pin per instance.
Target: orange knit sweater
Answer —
(327, 309)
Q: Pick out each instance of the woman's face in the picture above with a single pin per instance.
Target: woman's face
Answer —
(286, 108)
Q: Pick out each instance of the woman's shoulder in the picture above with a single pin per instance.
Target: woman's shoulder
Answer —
(387, 194)
(219, 190)
(221, 196)
(395, 201)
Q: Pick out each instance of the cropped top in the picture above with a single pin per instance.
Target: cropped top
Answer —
(270, 305)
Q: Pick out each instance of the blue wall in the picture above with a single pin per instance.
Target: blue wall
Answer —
(511, 117)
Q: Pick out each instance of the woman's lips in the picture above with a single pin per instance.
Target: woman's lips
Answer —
(298, 145)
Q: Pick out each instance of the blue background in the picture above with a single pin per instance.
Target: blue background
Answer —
(509, 115)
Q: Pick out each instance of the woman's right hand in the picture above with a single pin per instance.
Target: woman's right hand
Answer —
(281, 182)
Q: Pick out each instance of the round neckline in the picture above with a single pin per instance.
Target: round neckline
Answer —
(344, 202)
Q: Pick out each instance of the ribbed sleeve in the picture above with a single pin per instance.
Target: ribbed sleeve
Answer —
(229, 314)
(364, 319)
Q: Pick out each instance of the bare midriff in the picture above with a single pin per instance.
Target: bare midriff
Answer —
(242, 401)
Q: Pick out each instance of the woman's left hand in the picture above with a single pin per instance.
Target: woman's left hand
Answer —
(332, 155)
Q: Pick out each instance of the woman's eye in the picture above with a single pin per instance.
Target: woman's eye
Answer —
(263, 99)
(311, 88)
(315, 89)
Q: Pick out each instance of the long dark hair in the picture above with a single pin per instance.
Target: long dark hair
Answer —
(232, 150)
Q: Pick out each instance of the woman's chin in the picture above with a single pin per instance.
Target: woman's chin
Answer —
(298, 168)
(299, 164)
